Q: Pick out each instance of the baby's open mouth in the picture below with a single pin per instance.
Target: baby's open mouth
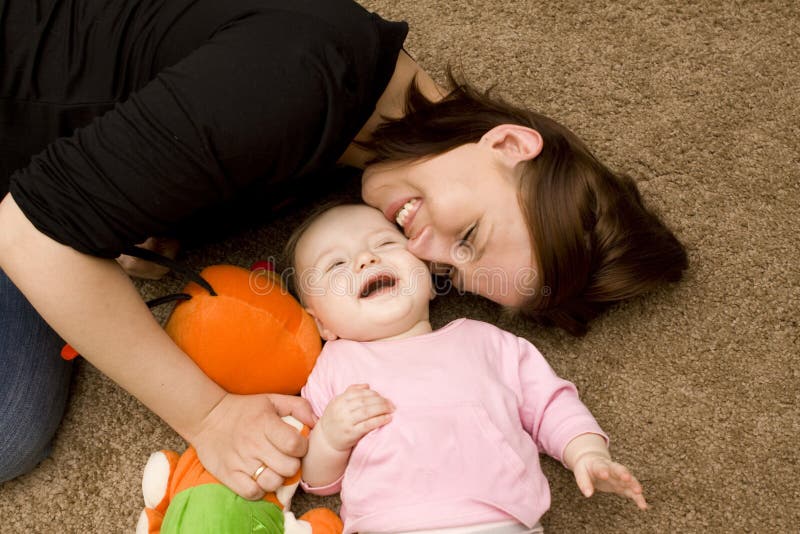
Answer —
(375, 284)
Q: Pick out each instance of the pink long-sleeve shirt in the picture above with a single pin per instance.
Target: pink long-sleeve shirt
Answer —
(474, 407)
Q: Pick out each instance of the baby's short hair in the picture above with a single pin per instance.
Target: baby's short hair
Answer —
(290, 250)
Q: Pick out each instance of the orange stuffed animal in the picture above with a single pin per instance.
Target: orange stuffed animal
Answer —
(250, 336)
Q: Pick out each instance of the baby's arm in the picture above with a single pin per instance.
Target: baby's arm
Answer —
(564, 428)
(348, 418)
(590, 461)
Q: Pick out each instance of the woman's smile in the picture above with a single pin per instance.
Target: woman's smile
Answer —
(406, 214)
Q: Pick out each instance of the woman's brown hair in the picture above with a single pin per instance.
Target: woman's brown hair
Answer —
(595, 241)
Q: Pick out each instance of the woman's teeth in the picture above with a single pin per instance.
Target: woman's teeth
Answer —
(402, 215)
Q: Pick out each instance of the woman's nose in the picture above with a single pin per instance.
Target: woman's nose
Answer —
(431, 247)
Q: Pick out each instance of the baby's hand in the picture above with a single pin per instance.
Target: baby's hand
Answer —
(352, 415)
(596, 471)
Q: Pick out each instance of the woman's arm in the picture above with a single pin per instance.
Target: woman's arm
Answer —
(391, 104)
(93, 305)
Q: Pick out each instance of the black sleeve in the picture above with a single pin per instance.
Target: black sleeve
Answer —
(272, 95)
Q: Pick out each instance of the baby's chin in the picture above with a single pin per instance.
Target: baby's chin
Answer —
(410, 328)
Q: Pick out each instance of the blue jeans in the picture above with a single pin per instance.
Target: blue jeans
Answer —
(34, 383)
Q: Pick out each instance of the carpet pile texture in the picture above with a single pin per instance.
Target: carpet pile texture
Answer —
(697, 384)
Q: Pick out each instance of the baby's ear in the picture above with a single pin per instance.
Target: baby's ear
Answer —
(324, 333)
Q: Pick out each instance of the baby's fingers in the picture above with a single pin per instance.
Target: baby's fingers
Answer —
(632, 488)
(634, 492)
(600, 471)
(369, 411)
(360, 394)
(368, 425)
(621, 482)
(639, 499)
(584, 481)
(616, 475)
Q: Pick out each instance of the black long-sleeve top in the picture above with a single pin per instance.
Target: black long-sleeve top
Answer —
(180, 105)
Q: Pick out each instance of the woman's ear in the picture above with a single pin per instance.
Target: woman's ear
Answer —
(324, 333)
(513, 143)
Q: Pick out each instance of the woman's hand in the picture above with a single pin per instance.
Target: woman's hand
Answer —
(244, 432)
(352, 415)
(596, 471)
(140, 268)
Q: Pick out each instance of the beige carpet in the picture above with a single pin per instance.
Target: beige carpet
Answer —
(697, 384)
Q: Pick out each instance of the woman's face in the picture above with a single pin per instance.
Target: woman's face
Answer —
(461, 211)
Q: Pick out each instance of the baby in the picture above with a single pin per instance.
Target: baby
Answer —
(422, 430)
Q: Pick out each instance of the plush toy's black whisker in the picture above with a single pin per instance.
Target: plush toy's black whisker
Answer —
(167, 298)
(149, 255)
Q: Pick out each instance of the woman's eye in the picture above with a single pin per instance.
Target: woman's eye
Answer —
(465, 239)
(464, 251)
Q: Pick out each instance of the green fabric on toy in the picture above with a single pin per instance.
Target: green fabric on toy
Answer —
(216, 508)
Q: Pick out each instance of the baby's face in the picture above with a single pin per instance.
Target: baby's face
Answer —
(357, 278)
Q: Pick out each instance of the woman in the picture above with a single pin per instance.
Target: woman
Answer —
(515, 207)
(183, 107)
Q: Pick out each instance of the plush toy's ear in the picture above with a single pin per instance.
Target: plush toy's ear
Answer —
(253, 337)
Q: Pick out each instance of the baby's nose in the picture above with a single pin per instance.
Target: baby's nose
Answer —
(366, 259)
